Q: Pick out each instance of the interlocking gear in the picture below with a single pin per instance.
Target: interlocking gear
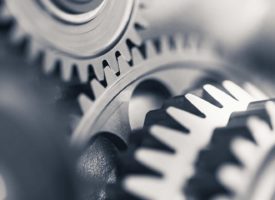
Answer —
(173, 64)
(245, 168)
(154, 74)
(87, 35)
(184, 125)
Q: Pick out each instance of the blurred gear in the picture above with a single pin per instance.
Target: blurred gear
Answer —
(86, 35)
(183, 126)
(161, 68)
(166, 154)
(245, 169)
(35, 159)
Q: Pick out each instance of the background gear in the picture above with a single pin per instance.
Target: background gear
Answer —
(76, 39)
(184, 126)
(243, 169)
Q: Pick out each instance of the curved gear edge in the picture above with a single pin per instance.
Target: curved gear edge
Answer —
(52, 59)
(237, 178)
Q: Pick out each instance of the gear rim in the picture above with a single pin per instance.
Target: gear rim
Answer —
(88, 63)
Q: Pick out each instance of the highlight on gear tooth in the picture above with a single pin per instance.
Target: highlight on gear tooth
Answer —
(137, 100)
(243, 170)
(172, 138)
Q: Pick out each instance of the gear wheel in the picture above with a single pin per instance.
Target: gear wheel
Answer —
(164, 62)
(244, 169)
(176, 134)
(160, 68)
(65, 31)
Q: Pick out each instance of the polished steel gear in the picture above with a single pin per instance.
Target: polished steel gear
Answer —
(86, 35)
(194, 134)
(251, 141)
(167, 66)
(160, 68)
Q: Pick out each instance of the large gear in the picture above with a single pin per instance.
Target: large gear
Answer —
(166, 62)
(87, 35)
(245, 169)
(184, 126)
(154, 75)
(109, 118)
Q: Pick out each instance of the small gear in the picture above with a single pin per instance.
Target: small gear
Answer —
(245, 168)
(86, 35)
(176, 134)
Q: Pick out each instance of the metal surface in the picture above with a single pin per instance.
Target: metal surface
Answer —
(175, 67)
(76, 40)
(244, 167)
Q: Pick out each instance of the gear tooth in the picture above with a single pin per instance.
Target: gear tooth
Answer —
(179, 41)
(34, 49)
(182, 116)
(112, 62)
(97, 88)
(82, 69)
(203, 106)
(154, 159)
(137, 57)
(255, 92)
(172, 138)
(123, 65)
(85, 102)
(98, 69)
(151, 50)
(110, 75)
(66, 70)
(141, 21)
(219, 95)
(237, 91)
(49, 61)
(125, 52)
(139, 185)
(165, 44)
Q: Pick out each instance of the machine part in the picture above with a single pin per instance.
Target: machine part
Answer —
(86, 35)
(169, 66)
(245, 169)
(184, 126)
(160, 68)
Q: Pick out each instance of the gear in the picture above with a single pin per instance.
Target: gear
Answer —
(183, 126)
(86, 35)
(160, 68)
(171, 64)
(245, 168)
